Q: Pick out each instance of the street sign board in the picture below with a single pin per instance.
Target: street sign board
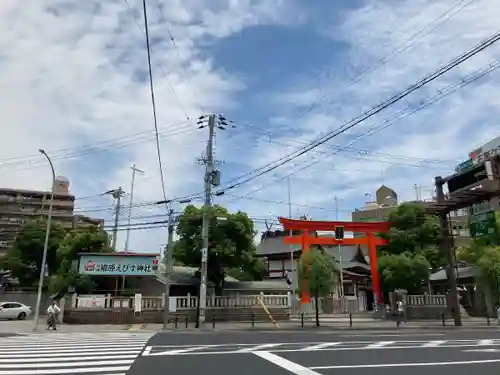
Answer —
(485, 151)
(483, 223)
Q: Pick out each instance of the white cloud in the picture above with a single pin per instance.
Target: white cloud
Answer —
(75, 73)
(444, 131)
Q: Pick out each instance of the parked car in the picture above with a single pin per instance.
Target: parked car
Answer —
(14, 310)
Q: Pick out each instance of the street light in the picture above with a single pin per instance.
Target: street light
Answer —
(46, 243)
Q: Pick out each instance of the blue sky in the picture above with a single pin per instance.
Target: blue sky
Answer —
(283, 71)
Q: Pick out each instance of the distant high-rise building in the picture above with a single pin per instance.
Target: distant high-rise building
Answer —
(19, 207)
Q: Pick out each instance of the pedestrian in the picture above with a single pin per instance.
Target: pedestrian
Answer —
(53, 313)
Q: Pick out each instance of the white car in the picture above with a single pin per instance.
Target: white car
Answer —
(14, 310)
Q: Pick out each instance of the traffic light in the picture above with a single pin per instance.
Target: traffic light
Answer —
(155, 264)
(339, 233)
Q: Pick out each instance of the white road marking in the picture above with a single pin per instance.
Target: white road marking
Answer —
(380, 344)
(255, 348)
(417, 364)
(63, 355)
(394, 335)
(64, 371)
(321, 346)
(51, 359)
(488, 350)
(181, 351)
(48, 354)
(147, 350)
(69, 366)
(487, 342)
(290, 366)
(433, 344)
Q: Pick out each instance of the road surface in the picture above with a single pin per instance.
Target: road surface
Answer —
(393, 353)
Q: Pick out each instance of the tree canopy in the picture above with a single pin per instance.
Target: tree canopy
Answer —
(231, 244)
(24, 258)
(320, 272)
(484, 252)
(413, 248)
(91, 240)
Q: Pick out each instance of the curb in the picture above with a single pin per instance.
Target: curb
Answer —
(332, 329)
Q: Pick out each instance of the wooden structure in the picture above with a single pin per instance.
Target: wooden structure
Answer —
(306, 239)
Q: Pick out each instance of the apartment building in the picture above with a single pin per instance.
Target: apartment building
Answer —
(18, 207)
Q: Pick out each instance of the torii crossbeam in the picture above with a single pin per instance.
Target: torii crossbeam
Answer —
(370, 240)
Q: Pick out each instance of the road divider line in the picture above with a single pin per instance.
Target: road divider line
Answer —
(380, 344)
(433, 344)
(487, 342)
(321, 346)
(255, 348)
(286, 364)
(416, 364)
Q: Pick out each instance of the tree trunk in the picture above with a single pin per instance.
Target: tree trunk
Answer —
(316, 305)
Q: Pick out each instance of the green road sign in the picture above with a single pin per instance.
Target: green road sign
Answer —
(483, 223)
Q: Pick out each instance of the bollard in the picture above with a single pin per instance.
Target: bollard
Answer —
(253, 320)
(350, 320)
(176, 321)
(302, 319)
(187, 321)
(398, 320)
(487, 319)
(213, 321)
(443, 319)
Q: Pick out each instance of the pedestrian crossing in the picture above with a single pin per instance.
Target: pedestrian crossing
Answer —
(313, 346)
(71, 353)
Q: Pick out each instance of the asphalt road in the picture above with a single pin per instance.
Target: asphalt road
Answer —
(322, 352)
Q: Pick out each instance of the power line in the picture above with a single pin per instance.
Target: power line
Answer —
(401, 115)
(369, 113)
(146, 36)
(404, 46)
(151, 86)
(112, 144)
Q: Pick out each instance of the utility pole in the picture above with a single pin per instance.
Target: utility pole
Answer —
(127, 238)
(448, 249)
(292, 261)
(211, 178)
(168, 265)
(117, 195)
(342, 303)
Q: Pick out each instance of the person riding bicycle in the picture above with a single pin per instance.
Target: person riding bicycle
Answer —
(53, 312)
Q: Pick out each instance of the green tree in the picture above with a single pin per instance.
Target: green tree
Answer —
(404, 271)
(484, 252)
(320, 272)
(231, 244)
(24, 258)
(413, 244)
(91, 240)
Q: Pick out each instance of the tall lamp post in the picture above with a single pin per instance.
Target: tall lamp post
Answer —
(46, 243)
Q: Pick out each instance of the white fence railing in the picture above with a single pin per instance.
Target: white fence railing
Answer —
(140, 303)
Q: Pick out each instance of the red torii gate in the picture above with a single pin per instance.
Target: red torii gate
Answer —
(370, 240)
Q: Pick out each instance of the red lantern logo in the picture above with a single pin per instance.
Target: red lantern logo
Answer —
(90, 266)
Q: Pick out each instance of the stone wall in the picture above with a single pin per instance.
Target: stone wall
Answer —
(127, 316)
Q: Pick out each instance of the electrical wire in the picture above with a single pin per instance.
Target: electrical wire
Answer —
(367, 114)
(404, 46)
(153, 103)
(146, 36)
(107, 145)
(400, 116)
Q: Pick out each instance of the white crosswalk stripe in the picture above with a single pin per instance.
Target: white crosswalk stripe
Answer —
(109, 353)
(313, 346)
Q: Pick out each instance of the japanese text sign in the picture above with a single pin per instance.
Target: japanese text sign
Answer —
(116, 265)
